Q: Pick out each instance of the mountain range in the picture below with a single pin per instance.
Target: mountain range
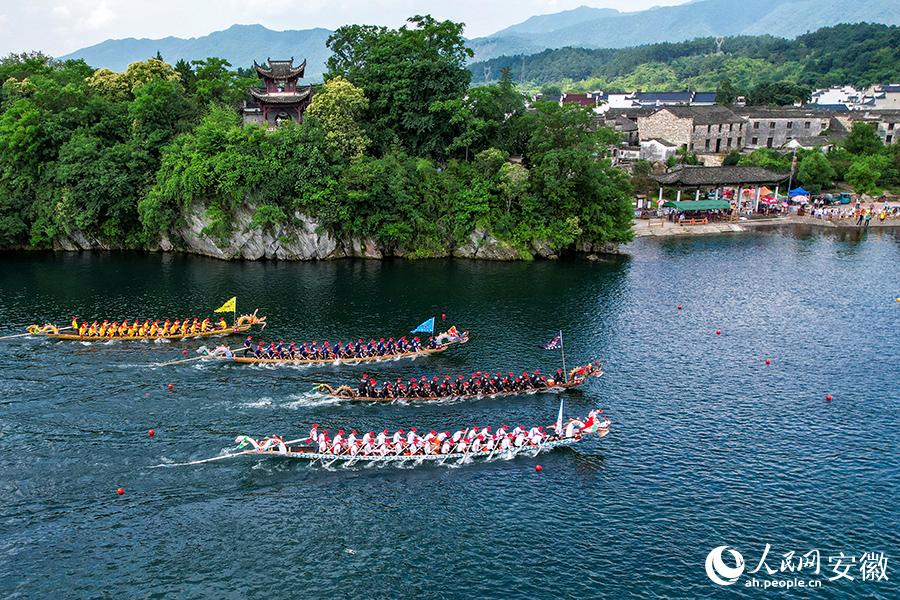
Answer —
(583, 27)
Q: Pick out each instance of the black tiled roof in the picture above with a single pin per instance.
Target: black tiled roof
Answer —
(690, 176)
(280, 69)
(704, 115)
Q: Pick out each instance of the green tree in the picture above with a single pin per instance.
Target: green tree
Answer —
(726, 92)
(577, 197)
(732, 158)
(779, 93)
(213, 81)
(815, 173)
(862, 177)
(339, 106)
(402, 73)
(487, 117)
(862, 140)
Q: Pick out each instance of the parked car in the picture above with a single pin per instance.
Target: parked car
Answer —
(845, 198)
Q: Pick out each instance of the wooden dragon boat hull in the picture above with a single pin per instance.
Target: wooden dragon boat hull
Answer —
(252, 360)
(94, 338)
(303, 449)
(48, 331)
(337, 361)
(345, 460)
(347, 393)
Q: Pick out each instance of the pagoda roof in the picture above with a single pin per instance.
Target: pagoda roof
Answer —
(281, 97)
(691, 176)
(280, 69)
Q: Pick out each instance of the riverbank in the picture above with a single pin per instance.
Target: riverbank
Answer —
(644, 228)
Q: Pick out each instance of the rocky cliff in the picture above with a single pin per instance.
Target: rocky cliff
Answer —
(307, 240)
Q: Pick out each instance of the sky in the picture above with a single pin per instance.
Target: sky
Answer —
(58, 27)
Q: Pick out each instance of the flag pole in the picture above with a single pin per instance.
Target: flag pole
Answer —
(234, 313)
(563, 351)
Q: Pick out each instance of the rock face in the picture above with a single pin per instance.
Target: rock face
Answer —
(481, 244)
(299, 241)
(77, 240)
(305, 239)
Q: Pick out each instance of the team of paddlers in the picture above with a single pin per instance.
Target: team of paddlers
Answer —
(147, 328)
(479, 384)
(350, 350)
(411, 443)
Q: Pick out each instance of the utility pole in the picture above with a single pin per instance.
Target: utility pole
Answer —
(793, 162)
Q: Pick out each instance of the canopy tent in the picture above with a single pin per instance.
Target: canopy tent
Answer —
(764, 191)
(698, 205)
(797, 192)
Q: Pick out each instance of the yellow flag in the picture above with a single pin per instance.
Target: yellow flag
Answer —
(228, 306)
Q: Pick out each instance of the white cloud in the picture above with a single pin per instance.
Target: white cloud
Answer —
(98, 17)
(60, 13)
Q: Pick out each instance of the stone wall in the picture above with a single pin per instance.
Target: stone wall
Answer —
(774, 131)
(664, 125)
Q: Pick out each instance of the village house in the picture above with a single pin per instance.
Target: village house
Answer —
(885, 122)
(657, 150)
(883, 96)
(773, 127)
(704, 130)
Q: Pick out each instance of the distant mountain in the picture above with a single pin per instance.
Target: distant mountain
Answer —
(583, 27)
(598, 28)
(240, 45)
(560, 20)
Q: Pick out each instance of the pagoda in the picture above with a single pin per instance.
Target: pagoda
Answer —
(281, 98)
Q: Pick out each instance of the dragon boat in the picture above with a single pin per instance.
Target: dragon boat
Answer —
(573, 432)
(576, 377)
(241, 324)
(443, 340)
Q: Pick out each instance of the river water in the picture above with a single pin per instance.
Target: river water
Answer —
(709, 446)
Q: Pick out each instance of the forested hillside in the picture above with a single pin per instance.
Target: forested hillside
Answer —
(859, 55)
(395, 148)
(599, 28)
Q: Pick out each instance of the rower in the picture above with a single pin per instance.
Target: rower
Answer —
(248, 345)
(363, 385)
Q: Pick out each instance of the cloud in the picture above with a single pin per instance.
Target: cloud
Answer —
(60, 13)
(99, 16)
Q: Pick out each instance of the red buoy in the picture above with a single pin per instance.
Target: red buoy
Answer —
(120, 491)
(184, 351)
(443, 316)
(537, 468)
(718, 332)
(151, 433)
(147, 394)
(679, 307)
(171, 386)
(828, 397)
(768, 361)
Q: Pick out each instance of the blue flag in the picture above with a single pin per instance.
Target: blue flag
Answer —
(554, 344)
(426, 327)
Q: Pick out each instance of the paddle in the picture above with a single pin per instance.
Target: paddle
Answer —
(176, 362)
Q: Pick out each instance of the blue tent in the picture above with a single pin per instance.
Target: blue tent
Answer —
(797, 192)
